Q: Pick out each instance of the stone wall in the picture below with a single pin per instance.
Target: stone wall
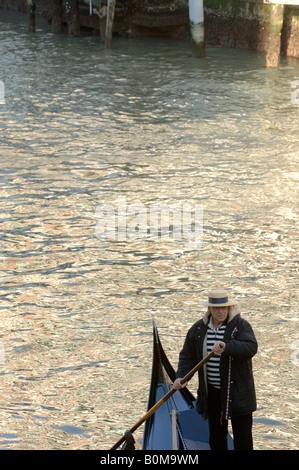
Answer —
(253, 24)
(290, 31)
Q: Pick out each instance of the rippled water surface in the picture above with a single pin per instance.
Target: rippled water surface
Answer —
(149, 123)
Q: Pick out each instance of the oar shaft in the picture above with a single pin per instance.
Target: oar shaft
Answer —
(196, 368)
(146, 416)
(163, 399)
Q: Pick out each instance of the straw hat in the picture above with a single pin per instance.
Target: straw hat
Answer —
(219, 298)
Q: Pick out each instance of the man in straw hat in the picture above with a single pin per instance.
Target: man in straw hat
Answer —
(226, 386)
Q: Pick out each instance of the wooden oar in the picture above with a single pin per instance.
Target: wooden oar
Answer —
(163, 399)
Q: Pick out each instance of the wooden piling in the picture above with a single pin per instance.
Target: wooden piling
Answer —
(57, 16)
(103, 21)
(290, 33)
(274, 35)
(31, 7)
(109, 23)
(102, 14)
(72, 17)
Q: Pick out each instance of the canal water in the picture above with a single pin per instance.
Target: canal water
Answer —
(147, 124)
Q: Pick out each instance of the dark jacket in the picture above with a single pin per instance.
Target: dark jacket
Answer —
(237, 383)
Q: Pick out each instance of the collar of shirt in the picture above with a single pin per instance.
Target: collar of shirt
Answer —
(210, 325)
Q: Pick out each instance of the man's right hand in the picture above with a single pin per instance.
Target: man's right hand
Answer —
(177, 384)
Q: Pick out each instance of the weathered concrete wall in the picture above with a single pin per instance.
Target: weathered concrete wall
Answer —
(290, 32)
(250, 24)
(253, 24)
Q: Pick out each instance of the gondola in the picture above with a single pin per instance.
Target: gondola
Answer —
(172, 421)
(175, 425)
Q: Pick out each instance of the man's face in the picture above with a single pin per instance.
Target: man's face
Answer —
(219, 314)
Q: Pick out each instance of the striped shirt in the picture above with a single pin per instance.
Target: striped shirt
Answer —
(213, 365)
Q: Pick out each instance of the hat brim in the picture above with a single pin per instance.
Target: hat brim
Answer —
(226, 304)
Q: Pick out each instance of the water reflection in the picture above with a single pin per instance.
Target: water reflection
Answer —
(82, 125)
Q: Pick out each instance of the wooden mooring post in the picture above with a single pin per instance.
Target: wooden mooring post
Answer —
(274, 27)
(102, 14)
(57, 16)
(31, 7)
(109, 23)
(72, 17)
(197, 30)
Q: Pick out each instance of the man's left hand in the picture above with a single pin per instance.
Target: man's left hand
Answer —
(218, 347)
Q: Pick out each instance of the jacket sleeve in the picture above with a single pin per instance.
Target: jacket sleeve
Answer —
(188, 355)
(243, 344)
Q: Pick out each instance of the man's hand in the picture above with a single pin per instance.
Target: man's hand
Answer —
(218, 347)
(177, 384)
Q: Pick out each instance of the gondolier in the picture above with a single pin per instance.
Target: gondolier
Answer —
(226, 385)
